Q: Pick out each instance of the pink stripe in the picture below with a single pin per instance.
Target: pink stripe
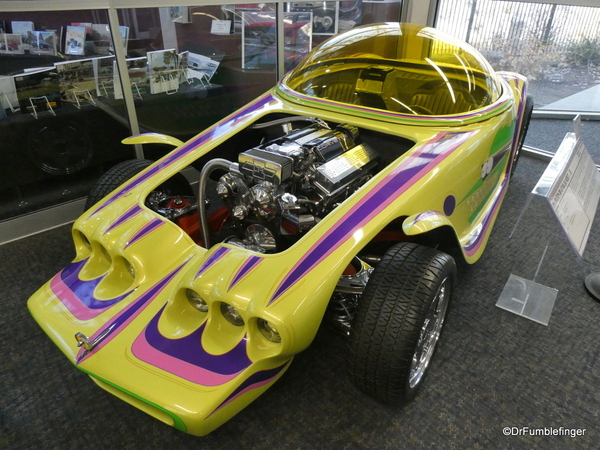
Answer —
(242, 392)
(145, 231)
(72, 302)
(211, 260)
(405, 165)
(145, 352)
(247, 267)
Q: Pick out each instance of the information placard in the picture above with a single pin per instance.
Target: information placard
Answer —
(568, 191)
(571, 183)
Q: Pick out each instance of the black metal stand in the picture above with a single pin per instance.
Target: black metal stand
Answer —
(592, 285)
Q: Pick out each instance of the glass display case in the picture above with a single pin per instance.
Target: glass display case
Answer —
(56, 138)
(74, 83)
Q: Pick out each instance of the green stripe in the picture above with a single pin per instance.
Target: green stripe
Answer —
(503, 138)
(178, 423)
(487, 197)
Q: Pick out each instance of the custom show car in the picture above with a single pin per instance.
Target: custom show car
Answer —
(329, 198)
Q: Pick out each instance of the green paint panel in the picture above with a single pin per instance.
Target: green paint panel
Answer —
(177, 421)
(503, 138)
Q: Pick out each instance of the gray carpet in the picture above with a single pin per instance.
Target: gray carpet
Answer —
(492, 370)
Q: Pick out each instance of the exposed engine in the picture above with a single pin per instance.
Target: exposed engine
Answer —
(282, 188)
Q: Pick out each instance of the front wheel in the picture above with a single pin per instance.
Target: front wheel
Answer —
(398, 322)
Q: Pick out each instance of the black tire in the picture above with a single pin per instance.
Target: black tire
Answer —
(393, 316)
(119, 174)
(523, 131)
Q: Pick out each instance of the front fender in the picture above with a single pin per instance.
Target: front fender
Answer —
(425, 222)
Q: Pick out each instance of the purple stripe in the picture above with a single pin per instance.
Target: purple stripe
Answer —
(131, 212)
(144, 231)
(401, 179)
(126, 316)
(84, 290)
(190, 350)
(248, 265)
(77, 295)
(211, 133)
(475, 242)
(254, 381)
(218, 254)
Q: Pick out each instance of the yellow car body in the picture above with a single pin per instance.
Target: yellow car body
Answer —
(124, 294)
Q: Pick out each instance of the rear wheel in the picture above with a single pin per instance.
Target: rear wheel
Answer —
(523, 131)
(398, 322)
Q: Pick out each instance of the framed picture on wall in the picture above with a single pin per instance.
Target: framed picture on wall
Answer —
(75, 40)
(103, 76)
(163, 71)
(75, 78)
(13, 44)
(42, 42)
(180, 14)
(138, 77)
(22, 28)
(325, 16)
(38, 90)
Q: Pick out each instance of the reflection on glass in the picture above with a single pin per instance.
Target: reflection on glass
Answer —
(259, 37)
(63, 113)
(57, 139)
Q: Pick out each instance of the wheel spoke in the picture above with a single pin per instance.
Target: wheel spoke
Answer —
(430, 333)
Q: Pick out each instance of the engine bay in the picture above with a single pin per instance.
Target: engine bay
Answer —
(295, 171)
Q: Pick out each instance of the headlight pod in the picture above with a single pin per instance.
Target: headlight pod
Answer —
(268, 330)
(130, 269)
(196, 301)
(82, 242)
(232, 315)
(106, 254)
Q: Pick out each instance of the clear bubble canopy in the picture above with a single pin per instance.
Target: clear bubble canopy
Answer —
(404, 68)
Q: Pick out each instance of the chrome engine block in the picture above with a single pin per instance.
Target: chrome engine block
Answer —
(284, 187)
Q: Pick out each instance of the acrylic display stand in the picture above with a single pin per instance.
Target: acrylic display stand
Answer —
(5, 100)
(567, 195)
(136, 91)
(171, 82)
(35, 112)
(81, 96)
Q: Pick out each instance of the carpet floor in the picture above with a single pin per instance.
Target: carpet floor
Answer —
(492, 370)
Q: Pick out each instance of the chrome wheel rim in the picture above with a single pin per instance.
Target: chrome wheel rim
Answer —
(430, 333)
